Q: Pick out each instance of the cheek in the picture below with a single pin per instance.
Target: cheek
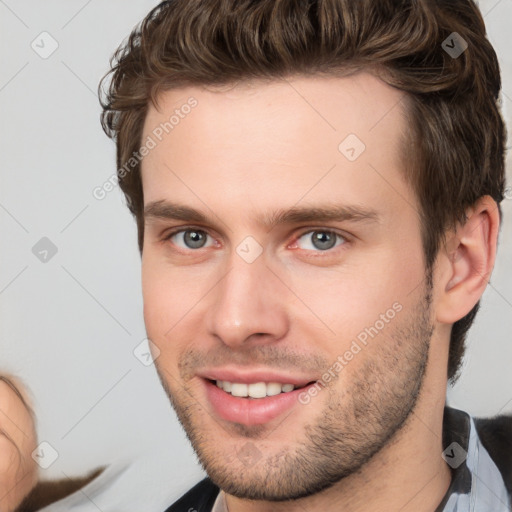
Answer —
(352, 297)
(159, 308)
(171, 302)
(158, 300)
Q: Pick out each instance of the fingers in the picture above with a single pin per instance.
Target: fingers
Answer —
(18, 439)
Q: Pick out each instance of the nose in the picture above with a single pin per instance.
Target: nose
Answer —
(248, 305)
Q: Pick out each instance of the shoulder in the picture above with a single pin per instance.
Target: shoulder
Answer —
(496, 436)
(198, 499)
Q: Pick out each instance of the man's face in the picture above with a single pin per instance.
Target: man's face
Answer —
(249, 295)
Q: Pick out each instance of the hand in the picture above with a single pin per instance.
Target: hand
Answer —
(18, 439)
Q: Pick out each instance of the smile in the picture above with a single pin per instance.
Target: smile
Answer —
(238, 404)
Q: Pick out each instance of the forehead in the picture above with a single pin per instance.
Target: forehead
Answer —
(277, 141)
(360, 102)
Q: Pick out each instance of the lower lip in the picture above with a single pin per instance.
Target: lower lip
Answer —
(249, 411)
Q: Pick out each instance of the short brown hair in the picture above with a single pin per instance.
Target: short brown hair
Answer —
(454, 152)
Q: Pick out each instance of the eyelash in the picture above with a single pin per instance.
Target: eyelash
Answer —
(344, 237)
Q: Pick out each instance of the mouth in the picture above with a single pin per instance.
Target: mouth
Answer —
(252, 403)
(256, 390)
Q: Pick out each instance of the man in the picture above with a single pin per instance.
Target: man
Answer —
(316, 187)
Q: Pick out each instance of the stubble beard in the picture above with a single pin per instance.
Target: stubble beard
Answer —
(355, 424)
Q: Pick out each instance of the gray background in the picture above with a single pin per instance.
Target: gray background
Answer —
(69, 326)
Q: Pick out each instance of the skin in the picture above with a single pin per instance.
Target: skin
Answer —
(371, 439)
(20, 486)
(18, 471)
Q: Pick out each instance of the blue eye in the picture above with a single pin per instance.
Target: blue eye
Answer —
(191, 238)
(321, 240)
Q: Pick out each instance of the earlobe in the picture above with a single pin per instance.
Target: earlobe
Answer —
(468, 260)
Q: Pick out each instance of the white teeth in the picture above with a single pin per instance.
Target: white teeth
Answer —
(256, 389)
(273, 388)
(238, 389)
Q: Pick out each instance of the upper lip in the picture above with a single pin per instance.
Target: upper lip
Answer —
(251, 377)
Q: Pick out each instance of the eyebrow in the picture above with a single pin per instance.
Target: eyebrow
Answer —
(337, 213)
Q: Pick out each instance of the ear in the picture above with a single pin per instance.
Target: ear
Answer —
(466, 261)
